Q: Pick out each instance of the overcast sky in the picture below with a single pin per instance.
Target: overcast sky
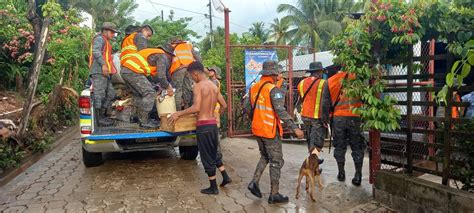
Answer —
(243, 12)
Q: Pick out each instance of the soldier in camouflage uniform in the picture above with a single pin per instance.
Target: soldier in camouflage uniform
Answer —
(100, 72)
(143, 90)
(181, 80)
(346, 128)
(270, 148)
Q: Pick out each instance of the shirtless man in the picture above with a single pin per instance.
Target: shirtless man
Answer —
(206, 95)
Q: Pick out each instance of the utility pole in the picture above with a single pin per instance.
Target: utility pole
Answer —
(162, 16)
(210, 24)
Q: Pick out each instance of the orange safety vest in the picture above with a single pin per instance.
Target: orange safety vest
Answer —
(106, 55)
(128, 47)
(138, 62)
(265, 121)
(183, 56)
(312, 103)
(345, 105)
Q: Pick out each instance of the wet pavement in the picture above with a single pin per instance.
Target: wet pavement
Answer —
(162, 182)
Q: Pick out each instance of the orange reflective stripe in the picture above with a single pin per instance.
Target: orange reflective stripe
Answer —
(106, 54)
(128, 47)
(138, 62)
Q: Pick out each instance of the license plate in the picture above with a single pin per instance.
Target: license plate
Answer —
(146, 140)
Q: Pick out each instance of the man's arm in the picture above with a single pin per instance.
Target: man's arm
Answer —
(140, 41)
(161, 63)
(221, 101)
(97, 47)
(193, 109)
(278, 102)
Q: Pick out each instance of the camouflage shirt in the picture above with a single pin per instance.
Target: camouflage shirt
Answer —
(162, 63)
(98, 45)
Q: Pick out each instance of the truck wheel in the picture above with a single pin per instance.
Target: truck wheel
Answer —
(188, 152)
(91, 159)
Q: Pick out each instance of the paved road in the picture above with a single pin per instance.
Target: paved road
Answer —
(161, 182)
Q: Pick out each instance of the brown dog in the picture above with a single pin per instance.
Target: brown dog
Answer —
(309, 169)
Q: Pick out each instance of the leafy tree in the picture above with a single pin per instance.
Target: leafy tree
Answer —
(279, 31)
(258, 30)
(167, 29)
(315, 22)
(117, 11)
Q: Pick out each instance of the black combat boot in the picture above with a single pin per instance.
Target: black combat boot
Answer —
(358, 174)
(278, 198)
(212, 190)
(147, 122)
(341, 175)
(275, 196)
(103, 120)
(254, 189)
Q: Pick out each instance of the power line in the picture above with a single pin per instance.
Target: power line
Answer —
(190, 11)
(177, 8)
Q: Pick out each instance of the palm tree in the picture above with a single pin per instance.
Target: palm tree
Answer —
(315, 22)
(279, 31)
(118, 11)
(258, 30)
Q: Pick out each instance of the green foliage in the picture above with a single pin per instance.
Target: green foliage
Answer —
(167, 29)
(116, 11)
(386, 31)
(17, 41)
(42, 144)
(315, 23)
(10, 155)
(258, 30)
(463, 165)
(51, 9)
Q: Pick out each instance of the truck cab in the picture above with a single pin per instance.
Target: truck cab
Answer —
(125, 136)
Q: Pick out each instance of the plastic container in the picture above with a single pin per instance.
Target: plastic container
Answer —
(165, 105)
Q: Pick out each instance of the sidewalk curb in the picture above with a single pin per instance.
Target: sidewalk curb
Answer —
(59, 142)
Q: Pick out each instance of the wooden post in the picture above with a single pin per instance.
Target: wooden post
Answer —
(35, 71)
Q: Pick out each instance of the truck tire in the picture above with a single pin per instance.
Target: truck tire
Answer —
(188, 152)
(92, 159)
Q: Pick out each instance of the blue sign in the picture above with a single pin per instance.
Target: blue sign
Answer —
(253, 64)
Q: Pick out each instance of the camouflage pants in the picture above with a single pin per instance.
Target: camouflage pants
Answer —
(183, 84)
(315, 133)
(143, 93)
(104, 92)
(347, 132)
(270, 152)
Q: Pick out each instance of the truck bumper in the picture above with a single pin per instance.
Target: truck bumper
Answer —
(133, 146)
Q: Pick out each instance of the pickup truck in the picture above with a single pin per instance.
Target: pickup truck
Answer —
(125, 136)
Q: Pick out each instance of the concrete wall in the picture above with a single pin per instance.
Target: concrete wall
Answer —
(411, 194)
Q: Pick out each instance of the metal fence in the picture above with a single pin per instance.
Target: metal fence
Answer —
(425, 143)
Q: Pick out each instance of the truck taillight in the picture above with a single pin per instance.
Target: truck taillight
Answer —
(86, 130)
(85, 105)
